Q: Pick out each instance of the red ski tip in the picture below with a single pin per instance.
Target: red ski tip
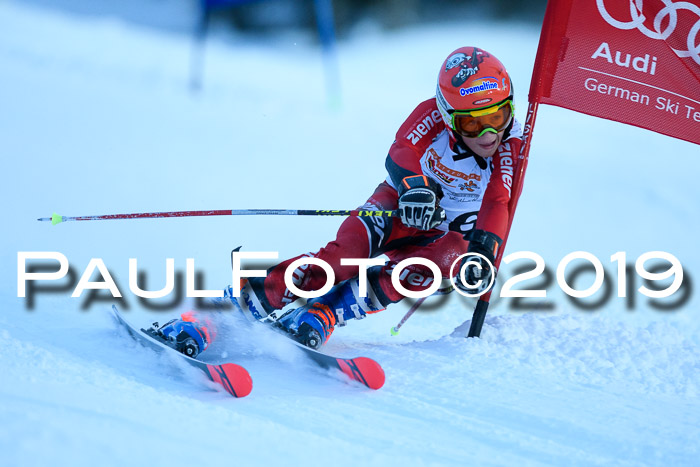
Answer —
(365, 370)
(234, 378)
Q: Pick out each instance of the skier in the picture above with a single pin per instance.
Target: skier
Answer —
(450, 171)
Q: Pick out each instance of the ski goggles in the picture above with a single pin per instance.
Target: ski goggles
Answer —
(474, 123)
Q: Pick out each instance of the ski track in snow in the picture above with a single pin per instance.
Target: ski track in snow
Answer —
(531, 392)
(97, 118)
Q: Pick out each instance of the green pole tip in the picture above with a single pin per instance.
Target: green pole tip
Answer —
(394, 331)
(56, 219)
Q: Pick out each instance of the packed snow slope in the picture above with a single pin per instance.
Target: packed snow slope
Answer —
(97, 118)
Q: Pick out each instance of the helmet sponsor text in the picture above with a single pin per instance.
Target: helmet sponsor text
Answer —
(486, 85)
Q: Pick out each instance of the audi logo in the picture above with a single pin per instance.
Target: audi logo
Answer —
(671, 10)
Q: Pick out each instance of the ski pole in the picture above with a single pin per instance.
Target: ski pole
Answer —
(395, 329)
(57, 219)
(419, 302)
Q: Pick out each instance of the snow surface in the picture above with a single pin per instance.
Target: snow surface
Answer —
(97, 118)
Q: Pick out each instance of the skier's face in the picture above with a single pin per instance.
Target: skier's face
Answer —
(484, 145)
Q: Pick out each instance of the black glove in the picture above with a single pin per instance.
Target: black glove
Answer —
(419, 203)
(478, 272)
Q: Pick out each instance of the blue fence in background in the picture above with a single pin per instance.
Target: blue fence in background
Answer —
(326, 30)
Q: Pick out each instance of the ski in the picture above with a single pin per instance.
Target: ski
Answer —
(234, 378)
(361, 369)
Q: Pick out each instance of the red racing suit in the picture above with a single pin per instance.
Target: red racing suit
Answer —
(476, 195)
